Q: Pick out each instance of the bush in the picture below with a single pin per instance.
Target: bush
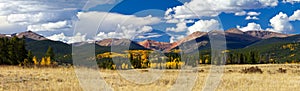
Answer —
(252, 70)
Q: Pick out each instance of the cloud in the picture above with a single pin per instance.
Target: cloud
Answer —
(205, 26)
(6, 27)
(108, 22)
(113, 25)
(31, 6)
(242, 13)
(251, 18)
(149, 36)
(212, 8)
(127, 32)
(42, 12)
(250, 27)
(180, 27)
(50, 26)
(175, 38)
(41, 17)
(68, 39)
(93, 3)
(253, 13)
(280, 23)
(295, 16)
(291, 1)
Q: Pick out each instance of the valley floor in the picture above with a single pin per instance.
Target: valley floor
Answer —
(14, 78)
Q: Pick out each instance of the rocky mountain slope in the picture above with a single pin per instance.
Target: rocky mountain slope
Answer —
(235, 39)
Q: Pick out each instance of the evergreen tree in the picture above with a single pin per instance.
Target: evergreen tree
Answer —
(50, 53)
(12, 51)
(22, 53)
(30, 57)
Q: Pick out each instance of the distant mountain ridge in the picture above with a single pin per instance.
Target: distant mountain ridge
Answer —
(258, 33)
(235, 39)
(31, 35)
(155, 45)
(117, 43)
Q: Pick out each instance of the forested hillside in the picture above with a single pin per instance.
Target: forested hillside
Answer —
(12, 51)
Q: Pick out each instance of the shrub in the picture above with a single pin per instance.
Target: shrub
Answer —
(252, 70)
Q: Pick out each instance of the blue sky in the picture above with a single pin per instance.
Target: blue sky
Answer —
(229, 20)
(266, 15)
(167, 20)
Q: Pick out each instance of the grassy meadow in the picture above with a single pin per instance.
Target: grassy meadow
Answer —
(272, 78)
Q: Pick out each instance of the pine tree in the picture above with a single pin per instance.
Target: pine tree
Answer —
(12, 51)
(50, 53)
(22, 53)
(30, 57)
(2, 50)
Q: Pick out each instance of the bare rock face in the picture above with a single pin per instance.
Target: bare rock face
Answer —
(30, 35)
(120, 43)
(258, 33)
(186, 39)
(155, 45)
(2, 35)
(266, 34)
(235, 38)
(192, 36)
(113, 42)
(234, 31)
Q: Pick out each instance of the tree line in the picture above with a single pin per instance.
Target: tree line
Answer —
(13, 52)
(174, 60)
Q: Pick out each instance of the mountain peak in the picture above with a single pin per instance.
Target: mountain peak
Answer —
(235, 31)
(114, 41)
(155, 45)
(31, 35)
(266, 34)
(192, 36)
(2, 35)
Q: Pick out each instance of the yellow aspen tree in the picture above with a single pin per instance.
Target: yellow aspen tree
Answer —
(35, 62)
(124, 66)
(43, 62)
(114, 67)
(206, 61)
(173, 65)
(200, 61)
(144, 59)
(48, 61)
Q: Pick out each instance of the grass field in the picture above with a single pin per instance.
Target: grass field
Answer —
(13, 78)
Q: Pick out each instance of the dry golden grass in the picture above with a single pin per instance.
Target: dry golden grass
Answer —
(64, 79)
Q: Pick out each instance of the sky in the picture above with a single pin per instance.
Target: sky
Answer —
(73, 21)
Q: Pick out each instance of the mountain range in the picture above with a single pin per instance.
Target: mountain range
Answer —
(235, 39)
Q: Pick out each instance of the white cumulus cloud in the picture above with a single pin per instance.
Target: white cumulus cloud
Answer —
(180, 27)
(68, 39)
(280, 23)
(252, 13)
(198, 8)
(113, 25)
(242, 13)
(250, 27)
(31, 13)
(291, 1)
(205, 26)
(295, 16)
(252, 18)
(50, 26)
(6, 27)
